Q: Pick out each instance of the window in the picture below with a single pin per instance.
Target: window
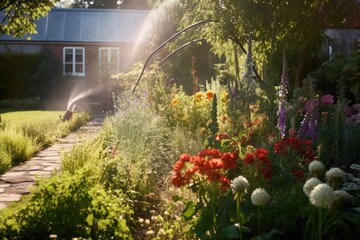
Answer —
(108, 61)
(74, 61)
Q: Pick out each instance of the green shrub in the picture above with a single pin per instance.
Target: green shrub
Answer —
(18, 146)
(40, 132)
(73, 124)
(89, 153)
(5, 160)
(23, 104)
(69, 206)
(142, 141)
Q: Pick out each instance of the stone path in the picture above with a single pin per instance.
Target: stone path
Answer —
(18, 180)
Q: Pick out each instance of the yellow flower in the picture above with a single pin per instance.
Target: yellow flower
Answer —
(175, 102)
(224, 97)
(198, 96)
(209, 94)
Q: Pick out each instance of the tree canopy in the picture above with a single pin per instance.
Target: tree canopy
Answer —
(18, 16)
(295, 25)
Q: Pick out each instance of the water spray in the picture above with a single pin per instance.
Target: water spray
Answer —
(167, 41)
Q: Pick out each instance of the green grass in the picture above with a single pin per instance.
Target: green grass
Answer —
(20, 117)
(22, 133)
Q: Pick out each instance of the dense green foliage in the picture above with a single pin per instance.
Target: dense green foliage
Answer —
(38, 78)
(21, 138)
(19, 17)
(70, 205)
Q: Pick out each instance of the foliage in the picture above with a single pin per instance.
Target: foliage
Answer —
(141, 139)
(339, 76)
(89, 153)
(18, 19)
(20, 140)
(297, 31)
(5, 160)
(17, 145)
(70, 205)
(22, 104)
(38, 80)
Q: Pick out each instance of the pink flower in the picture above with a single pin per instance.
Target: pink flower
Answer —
(327, 100)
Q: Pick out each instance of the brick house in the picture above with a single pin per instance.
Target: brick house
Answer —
(91, 44)
(87, 41)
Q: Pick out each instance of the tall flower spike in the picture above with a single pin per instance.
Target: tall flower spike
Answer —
(249, 64)
(282, 98)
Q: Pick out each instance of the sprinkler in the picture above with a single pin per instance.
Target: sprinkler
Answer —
(68, 114)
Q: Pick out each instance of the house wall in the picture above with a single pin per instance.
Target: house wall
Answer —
(126, 58)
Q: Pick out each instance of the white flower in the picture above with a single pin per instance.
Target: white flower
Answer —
(239, 184)
(316, 167)
(322, 195)
(260, 197)
(335, 173)
(310, 184)
(355, 167)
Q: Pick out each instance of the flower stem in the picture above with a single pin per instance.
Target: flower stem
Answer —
(320, 223)
(258, 220)
(238, 215)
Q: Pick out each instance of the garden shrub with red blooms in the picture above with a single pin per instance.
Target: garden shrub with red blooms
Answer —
(260, 158)
(210, 163)
(302, 148)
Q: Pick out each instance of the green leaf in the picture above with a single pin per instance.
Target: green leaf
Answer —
(204, 223)
(190, 210)
(231, 231)
(90, 219)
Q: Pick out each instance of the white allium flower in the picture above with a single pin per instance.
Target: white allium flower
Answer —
(310, 184)
(349, 176)
(260, 197)
(351, 186)
(342, 196)
(316, 167)
(355, 167)
(322, 195)
(335, 173)
(239, 184)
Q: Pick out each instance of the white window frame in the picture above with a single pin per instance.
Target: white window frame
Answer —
(108, 49)
(73, 62)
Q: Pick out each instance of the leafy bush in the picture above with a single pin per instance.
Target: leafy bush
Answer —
(5, 160)
(23, 104)
(38, 77)
(81, 155)
(142, 140)
(17, 145)
(69, 206)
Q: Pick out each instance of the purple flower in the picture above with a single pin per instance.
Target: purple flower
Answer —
(327, 99)
(309, 124)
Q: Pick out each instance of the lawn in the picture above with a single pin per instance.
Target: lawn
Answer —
(19, 117)
(25, 132)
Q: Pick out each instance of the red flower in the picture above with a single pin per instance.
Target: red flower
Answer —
(210, 162)
(260, 158)
(210, 152)
(230, 160)
(249, 158)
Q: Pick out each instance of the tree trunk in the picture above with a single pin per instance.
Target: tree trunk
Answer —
(300, 69)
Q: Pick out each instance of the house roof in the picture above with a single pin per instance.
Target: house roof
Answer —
(87, 25)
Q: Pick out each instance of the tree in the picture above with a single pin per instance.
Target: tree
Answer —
(295, 25)
(18, 16)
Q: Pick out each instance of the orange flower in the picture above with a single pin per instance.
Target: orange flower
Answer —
(198, 96)
(175, 102)
(209, 94)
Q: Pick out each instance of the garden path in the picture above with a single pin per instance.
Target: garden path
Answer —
(19, 179)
